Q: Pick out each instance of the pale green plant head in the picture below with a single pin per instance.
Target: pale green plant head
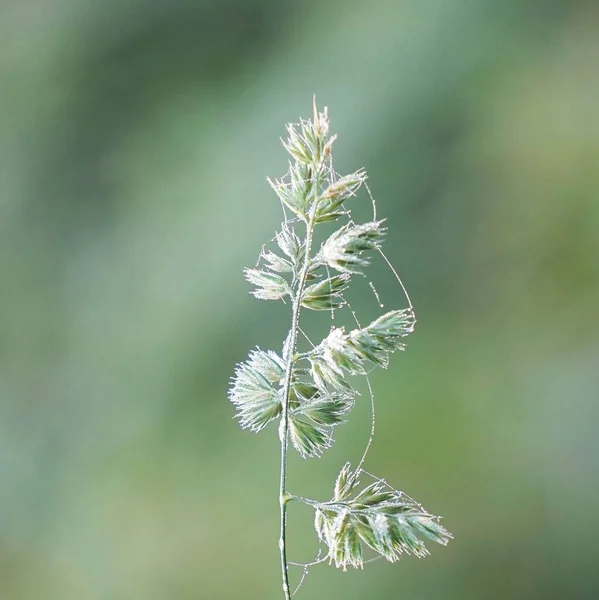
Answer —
(310, 392)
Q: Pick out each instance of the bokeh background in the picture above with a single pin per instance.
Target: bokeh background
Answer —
(135, 139)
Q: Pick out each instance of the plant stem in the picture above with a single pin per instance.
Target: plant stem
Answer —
(284, 428)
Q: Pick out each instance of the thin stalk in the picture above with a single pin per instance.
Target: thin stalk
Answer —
(284, 497)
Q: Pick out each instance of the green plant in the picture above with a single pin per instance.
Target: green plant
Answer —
(309, 392)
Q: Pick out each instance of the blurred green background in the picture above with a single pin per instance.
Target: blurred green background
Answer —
(135, 139)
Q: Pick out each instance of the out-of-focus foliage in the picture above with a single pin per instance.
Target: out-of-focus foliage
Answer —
(135, 137)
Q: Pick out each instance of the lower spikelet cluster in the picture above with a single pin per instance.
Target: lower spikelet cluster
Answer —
(377, 517)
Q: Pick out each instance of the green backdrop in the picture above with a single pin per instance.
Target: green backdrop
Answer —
(135, 138)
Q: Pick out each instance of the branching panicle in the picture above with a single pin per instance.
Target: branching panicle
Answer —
(310, 392)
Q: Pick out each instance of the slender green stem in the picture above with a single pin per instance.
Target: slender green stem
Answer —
(284, 427)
